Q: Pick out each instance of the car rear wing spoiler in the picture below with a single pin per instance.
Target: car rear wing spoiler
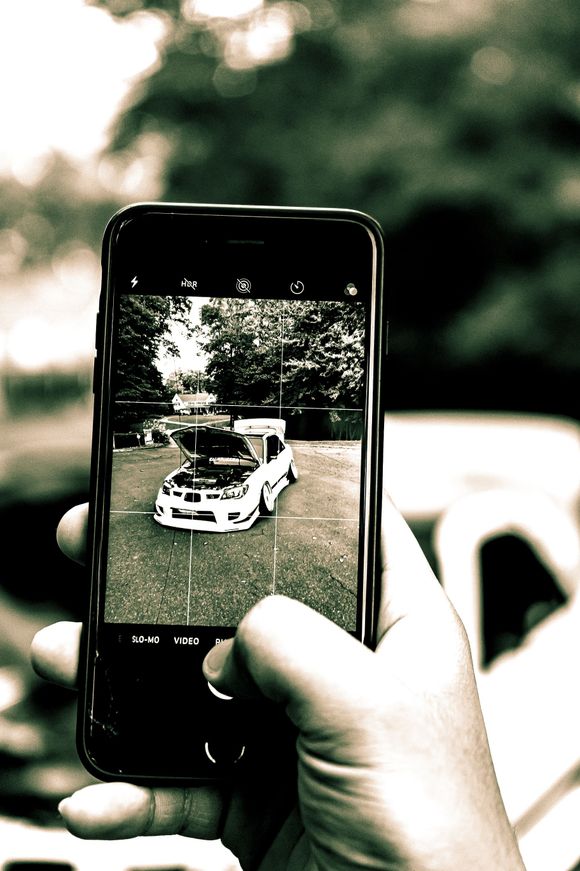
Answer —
(260, 425)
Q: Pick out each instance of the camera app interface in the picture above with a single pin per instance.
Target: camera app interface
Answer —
(236, 462)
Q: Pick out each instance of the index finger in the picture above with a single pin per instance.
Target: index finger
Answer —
(71, 534)
(54, 652)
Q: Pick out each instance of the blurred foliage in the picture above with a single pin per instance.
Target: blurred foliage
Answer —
(45, 217)
(455, 123)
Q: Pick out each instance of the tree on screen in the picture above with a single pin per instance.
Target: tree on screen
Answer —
(271, 352)
(144, 332)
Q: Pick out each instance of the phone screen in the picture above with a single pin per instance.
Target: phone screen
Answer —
(235, 489)
(235, 464)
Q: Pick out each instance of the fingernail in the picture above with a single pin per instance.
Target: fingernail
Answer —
(62, 806)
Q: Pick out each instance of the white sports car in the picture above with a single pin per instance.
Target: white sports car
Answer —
(229, 478)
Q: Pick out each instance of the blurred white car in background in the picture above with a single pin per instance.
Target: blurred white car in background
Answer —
(472, 480)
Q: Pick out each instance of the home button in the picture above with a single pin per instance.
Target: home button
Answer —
(222, 752)
(219, 695)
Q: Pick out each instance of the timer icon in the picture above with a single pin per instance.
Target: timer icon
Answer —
(297, 287)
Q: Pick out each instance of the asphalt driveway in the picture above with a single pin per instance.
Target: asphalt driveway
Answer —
(307, 550)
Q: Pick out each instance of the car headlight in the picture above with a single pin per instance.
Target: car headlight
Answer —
(165, 488)
(235, 492)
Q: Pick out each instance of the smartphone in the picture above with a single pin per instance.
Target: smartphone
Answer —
(236, 454)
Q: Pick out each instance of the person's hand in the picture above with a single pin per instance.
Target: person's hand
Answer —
(394, 770)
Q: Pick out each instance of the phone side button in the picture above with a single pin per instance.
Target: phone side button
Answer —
(219, 695)
(235, 757)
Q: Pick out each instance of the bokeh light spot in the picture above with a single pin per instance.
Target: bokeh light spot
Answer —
(492, 65)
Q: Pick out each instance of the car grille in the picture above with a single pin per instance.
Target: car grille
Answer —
(184, 514)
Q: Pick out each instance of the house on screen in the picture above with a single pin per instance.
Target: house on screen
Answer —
(193, 403)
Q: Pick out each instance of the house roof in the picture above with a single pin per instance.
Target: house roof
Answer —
(192, 397)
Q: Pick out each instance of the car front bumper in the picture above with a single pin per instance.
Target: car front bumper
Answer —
(223, 515)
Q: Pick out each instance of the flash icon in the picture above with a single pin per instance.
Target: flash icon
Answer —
(134, 281)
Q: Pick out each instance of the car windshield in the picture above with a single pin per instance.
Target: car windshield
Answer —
(258, 445)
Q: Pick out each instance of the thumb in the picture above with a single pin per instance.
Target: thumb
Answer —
(294, 656)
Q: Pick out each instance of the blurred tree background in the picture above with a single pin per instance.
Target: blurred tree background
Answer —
(456, 123)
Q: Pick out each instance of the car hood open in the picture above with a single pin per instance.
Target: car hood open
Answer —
(209, 442)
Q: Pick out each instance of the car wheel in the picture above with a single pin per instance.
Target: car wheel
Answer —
(292, 472)
(266, 500)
